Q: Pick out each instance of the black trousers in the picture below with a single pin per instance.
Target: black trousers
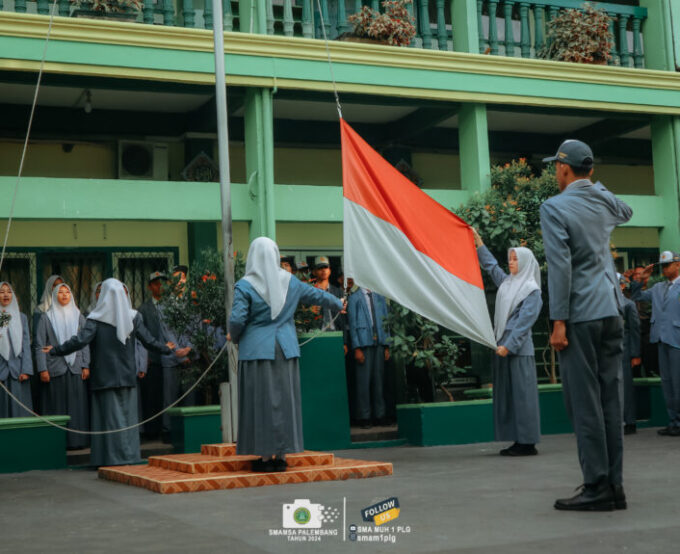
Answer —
(592, 382)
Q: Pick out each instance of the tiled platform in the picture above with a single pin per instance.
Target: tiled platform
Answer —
(218, 467)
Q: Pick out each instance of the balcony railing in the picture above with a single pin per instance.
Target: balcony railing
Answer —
(506, 27)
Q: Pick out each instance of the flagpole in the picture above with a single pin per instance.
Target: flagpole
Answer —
(229, 433)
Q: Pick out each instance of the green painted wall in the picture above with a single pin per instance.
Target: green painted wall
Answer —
(626, 179)
(309, 235)
(635, 237)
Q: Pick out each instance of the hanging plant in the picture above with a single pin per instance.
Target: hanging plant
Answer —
(109, 6)
(396, 26)
(579, 36)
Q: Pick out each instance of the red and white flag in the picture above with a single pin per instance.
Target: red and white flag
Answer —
(402, 244)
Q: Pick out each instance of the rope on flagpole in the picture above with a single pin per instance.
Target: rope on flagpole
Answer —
(330, 62)
(53, 9)
(112, 431)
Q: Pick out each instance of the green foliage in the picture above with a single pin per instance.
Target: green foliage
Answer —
(579, 36)
(417, 340)
(196, 310)
(508, 213)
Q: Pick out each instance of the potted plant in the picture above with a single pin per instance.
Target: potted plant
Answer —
(579, 36)
(396, 26)
(428, 352)
(119, 10)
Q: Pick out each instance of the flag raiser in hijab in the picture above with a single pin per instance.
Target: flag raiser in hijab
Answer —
(13, 333)
(46, 298)
(516, 288)
(64, 319)
(113, 307)
(264, 273)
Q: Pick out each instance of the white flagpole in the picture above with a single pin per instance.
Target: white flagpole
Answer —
(228, 434)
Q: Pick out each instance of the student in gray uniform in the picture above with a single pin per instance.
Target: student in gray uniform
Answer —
(111, 329)
(45, 299)
(515, 388)
(665, 299)
(16, 365)
(366, 311)
(631, 358)
(585, 302)
(261, 323)
(63, 389)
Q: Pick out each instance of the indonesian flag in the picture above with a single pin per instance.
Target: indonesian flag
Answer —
(402, 244)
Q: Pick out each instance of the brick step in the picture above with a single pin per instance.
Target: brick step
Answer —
(222, 450)
(165, 481)
(207, 463)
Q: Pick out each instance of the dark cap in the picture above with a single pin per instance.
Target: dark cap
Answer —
(184, 269)
(574, 153)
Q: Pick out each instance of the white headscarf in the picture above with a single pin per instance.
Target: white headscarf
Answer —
(64, 320)
(516, 288)
(93, 298)
(264, 273)
(113, 307)
(46, 298)
(14, 331)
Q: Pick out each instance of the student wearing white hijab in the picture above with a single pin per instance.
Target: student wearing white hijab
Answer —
(261, 323)
(16, 364)
(63, 390)
(515, 388)
(111, 329)
(45, 299)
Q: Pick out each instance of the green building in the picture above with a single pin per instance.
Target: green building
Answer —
(119, 176)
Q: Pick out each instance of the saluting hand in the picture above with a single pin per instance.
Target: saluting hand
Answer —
(558, 338)
(647, 272)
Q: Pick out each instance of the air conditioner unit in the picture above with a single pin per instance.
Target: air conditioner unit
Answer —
(142, 160)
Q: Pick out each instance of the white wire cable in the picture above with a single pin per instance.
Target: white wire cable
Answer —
(28, 133)
(330, 62)
(112, 431)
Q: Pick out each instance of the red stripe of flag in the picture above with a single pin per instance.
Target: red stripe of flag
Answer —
(372, 182)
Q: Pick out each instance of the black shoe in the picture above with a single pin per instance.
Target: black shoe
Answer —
(279, 464)
(669, 431)
(629, 429)
(365, 424)
(619, 497)
(260, 466)
(592, 498)
(518, 449)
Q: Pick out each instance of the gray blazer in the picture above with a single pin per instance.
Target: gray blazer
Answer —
(18, 362)
(517, 335)
(665, 319)
(576, 225)
(57, 366)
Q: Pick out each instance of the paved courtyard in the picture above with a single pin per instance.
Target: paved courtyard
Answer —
(452, 499)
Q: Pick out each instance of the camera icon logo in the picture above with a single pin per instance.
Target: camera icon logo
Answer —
(302, 513)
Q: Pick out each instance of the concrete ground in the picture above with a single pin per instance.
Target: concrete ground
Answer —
(452, 499)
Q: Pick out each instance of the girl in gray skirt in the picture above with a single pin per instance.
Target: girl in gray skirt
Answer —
(261, 323)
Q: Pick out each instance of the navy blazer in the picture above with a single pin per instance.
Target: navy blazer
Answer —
(18, 363)
(251, 325)
(361, 323)
(517, 335)
(577, 225)
(665, 319)
(631, 331)
(56, 365)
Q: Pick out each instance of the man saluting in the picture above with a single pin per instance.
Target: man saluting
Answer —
(587, 331)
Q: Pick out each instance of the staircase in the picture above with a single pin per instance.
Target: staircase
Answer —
(219, 467)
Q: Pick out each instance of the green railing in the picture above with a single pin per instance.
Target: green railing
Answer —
(502, 22)
(506, 27)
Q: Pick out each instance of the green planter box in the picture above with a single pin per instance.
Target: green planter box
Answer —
(29, 443)
(472, 420)
(192, 426)
(325, 410)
